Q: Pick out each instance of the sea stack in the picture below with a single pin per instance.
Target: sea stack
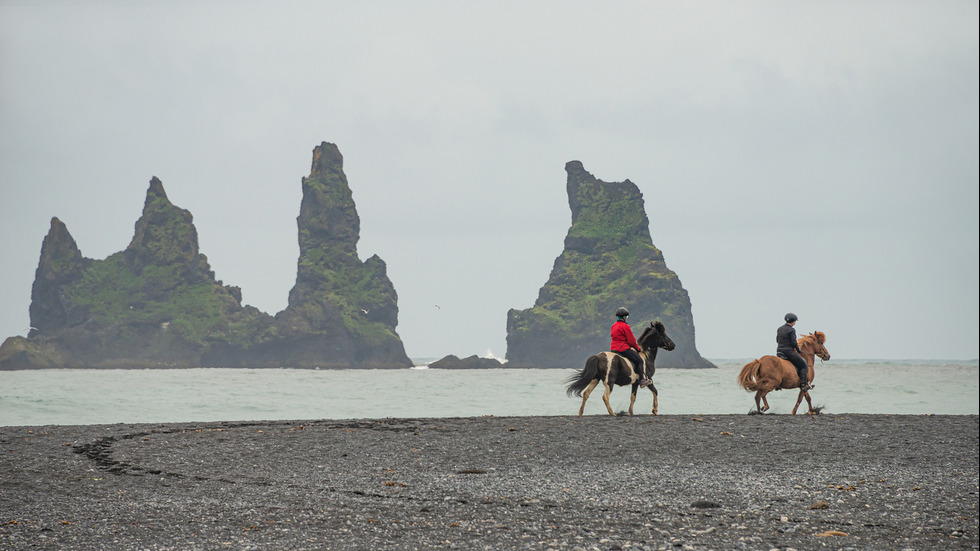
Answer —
(340, 307)
(157, 303)
(609, 260)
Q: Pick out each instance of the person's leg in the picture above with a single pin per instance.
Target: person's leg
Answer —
(802, 370)
(637, 361)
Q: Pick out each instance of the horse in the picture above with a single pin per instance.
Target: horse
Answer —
(613, 369)
(770, 373)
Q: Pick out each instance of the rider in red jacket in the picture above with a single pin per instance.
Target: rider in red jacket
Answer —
(624, 343)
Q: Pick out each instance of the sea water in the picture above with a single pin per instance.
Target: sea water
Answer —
(83, 396)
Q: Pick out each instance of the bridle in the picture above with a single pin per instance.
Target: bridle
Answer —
(817, 349)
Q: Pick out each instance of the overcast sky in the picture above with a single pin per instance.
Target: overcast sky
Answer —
(814, 157)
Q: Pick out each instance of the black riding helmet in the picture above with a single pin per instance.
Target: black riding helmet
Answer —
(790, 317)
(622, 312)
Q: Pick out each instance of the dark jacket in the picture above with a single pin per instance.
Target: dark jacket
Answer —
(786, 339)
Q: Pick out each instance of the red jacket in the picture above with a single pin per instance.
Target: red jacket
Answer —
(622, 337)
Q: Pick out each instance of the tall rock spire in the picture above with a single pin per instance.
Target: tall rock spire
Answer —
(609, 260)
(61, 264)
(328, 217)
(340, 307)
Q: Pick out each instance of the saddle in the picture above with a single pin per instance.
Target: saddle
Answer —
(623, 356)
(636, 368)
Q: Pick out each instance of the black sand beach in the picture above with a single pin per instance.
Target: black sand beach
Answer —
(564, 483)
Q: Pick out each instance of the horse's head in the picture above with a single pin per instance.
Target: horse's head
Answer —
(815, 343)
(655, 336)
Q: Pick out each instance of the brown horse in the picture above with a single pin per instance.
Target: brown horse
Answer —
(613, 369)
(770, 373)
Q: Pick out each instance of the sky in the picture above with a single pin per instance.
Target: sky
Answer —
(813, 157)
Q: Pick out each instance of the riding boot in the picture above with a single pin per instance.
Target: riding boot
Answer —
(804, 384)
(643, 381)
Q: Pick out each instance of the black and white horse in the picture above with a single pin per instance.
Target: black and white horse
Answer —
(613, 369)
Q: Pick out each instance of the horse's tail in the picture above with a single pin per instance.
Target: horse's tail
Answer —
(749, 377)
(580, 380)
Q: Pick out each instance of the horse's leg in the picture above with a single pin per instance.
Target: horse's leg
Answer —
(605, 397)
(809, 403)
(585, 395)
(653, 389)
(761, 403)
(800, 399)
(632, 397)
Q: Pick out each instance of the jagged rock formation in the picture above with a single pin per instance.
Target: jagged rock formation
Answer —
(61, 263)
(340, 307)
(609, 261)
(157, 303)
(472, 362)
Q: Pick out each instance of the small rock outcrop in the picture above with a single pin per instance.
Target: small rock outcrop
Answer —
(608, 261)
(471, 362)
(158, 304)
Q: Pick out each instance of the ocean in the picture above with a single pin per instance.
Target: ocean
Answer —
(81, 397)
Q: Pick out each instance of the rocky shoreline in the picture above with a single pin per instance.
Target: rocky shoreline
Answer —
(564, 483)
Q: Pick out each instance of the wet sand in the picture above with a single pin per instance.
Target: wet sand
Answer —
(564, 483)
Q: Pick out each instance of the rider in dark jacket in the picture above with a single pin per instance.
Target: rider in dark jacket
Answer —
(623, 342)
(787, 348)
